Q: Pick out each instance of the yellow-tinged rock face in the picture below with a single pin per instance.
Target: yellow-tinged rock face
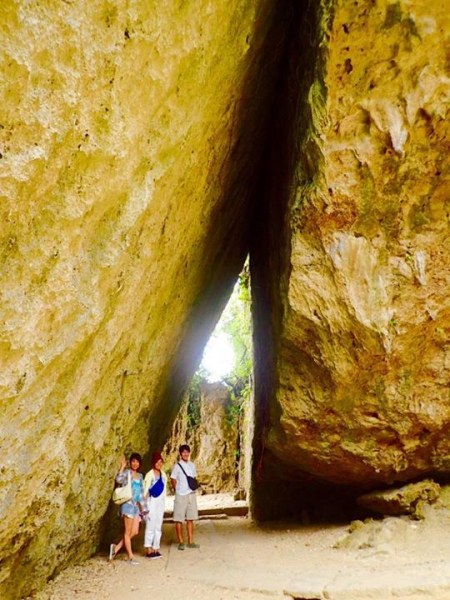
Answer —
(131, 140)
(360, 309)
(128, 135)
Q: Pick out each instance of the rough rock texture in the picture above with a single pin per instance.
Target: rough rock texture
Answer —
(213, 438)
(405, 500)
(352, 276)
(130, 136)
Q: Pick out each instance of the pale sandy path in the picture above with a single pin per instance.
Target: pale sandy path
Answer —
(392, 559)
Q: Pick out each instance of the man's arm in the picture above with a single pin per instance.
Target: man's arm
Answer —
(173, 476)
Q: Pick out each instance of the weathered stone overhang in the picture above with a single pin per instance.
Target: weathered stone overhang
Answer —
(130, 138)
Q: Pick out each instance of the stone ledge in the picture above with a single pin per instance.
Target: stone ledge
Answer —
(212, 505)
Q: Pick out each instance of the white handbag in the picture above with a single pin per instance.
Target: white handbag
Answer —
(123, 494)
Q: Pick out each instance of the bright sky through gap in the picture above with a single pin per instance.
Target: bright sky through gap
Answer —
(218, 357)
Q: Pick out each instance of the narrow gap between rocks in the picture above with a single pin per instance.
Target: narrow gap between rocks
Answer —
(216, 412)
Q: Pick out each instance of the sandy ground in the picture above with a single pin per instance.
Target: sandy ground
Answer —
(394, 558)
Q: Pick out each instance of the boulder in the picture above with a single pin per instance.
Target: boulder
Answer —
(351, 264)
(404, 500)
(130, 137)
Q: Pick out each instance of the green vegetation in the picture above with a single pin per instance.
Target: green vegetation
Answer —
(193, 399)
(235, 323)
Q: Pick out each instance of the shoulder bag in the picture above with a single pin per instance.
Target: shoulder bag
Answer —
(157, 488)
(192, 481)
(123, 494)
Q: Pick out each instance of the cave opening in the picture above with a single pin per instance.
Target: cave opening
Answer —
(216, 411)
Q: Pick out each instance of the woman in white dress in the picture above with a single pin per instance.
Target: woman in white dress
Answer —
(155, 485)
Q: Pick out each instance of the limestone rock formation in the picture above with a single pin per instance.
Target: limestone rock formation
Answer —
(408, 499)
(214, 439)
(132, 186)
(353, 271)
(130, 134)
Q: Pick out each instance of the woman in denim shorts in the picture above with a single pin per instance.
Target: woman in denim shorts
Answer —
(131, 512)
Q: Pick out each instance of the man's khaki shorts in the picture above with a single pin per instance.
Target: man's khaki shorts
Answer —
(185, 508)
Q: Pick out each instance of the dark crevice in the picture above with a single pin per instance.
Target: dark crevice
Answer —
(270, 247)
(229, 241)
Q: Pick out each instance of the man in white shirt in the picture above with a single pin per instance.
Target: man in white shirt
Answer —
(185, 504)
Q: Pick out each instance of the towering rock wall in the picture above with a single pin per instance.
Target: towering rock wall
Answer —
(130, 134)
(352, 267)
